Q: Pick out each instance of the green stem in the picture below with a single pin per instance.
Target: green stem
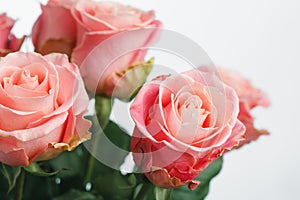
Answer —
(89, 171)
(103, 106)
(143, 192)
(91, 161)
(20, 185)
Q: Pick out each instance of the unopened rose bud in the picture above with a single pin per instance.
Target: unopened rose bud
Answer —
(8, 41)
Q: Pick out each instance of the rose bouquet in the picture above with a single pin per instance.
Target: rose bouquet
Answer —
(58, 127)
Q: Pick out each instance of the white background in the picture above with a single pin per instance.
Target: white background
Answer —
(260, 39)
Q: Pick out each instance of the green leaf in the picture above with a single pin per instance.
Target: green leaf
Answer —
(202, 190)
(47, 187)
(77, 195)
(118, 135)
(75, 161)
(105, 145)
(4, 186)
(11, 173)
(144, 191)
(115, 186)
(163, 194)
(113, 144)
(103, 107)
(35, 169)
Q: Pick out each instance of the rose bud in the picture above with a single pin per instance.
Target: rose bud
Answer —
(42, 104)
(55, 29)
(182, 124)
(8, 41)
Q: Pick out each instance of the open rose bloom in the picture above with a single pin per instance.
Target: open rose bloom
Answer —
(42, 104)
(78, 27)
(8, 41)
(99, 21)
(183, 123)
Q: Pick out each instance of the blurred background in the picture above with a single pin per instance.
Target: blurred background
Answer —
(261, 40)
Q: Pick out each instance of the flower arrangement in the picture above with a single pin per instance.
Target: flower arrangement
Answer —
(88, 51)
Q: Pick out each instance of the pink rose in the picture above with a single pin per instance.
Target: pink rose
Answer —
(249, 98)
(42, 104)
(55, 29)
(183, 123)
(98, 21)
(8, 41)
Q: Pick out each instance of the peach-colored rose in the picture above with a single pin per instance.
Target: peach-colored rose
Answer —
(98, 21)
(55, 29)
(183, 123)
(42, 103)
(249, 98)
(8, 41)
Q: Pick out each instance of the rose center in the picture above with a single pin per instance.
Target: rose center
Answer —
(190, 109)
(22, 78)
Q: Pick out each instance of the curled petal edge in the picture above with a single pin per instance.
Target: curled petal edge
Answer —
(162, 178)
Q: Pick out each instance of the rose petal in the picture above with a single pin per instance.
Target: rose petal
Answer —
(20, 119)
(15, 43)
(98, 64)
(102, 16)
(17, 157)
(50, 28)
(246, 118)
(6, 24)
(67, 94)
(243, 87)
(36, 132)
